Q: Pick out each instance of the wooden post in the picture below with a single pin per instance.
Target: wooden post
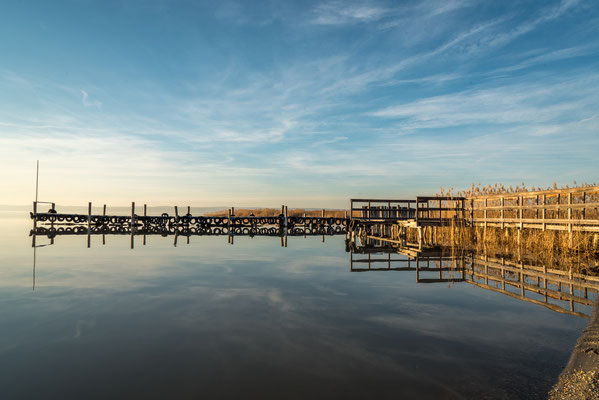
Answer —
(176, 213)
(145, 210)
(521, 209)
(502, 202)
(570, 214)
(104, 210)
(486, 204)
(132, 224)
(416, 214)
(89, 223)
(305, 224)
(188, 210)
(544, 212)
(229, 222)
(286, 219)
(584, 200)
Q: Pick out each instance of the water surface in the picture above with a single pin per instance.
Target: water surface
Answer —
(213, 320)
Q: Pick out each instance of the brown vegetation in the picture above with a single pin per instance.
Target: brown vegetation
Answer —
(477, 189)
(274, 212)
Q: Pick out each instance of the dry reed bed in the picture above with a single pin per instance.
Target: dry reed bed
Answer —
(274, 212)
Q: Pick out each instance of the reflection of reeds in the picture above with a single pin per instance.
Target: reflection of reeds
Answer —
(549, 247)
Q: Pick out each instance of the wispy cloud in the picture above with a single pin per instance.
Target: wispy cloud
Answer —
(343, 12)
(85, 100)
(523, 103)
(506, 36)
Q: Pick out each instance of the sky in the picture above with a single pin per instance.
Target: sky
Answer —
(304, 103)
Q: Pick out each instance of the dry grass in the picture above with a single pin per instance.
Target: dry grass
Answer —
(477, 189)
(547, 247)
(274, 212)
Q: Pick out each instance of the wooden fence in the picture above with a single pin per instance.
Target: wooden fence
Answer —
(565, 209)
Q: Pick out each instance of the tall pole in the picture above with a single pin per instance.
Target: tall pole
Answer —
(37, 176)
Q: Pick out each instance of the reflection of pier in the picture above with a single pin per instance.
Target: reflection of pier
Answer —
(304, 230)
(559, 290)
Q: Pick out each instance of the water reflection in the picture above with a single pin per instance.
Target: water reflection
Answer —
(560, 290)
(262, 321)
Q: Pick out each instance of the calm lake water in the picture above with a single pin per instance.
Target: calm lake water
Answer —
(214, 320)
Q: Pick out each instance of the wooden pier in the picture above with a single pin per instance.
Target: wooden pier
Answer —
(567, 210)
(51, 224)
(564, 210)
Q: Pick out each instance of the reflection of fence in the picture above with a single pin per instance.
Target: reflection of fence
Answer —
(558, 290)
(445, 268)
(565, 209)
(535, 284)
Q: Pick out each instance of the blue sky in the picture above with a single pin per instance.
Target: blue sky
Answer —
(304, 103)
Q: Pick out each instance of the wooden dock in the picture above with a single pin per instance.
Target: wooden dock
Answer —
(52, 224)
(568, 210)
(564, 210)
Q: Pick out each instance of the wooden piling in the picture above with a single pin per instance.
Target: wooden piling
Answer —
(132, 224)
(89, 223)
(502, 202)
(570, 214)
(544, 212)
(132, 215)
(229, 222)
(34, 215)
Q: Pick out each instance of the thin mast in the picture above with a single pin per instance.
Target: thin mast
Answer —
(37, 176)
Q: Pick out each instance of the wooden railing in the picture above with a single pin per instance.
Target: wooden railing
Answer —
(424, 210)
(565, 209)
